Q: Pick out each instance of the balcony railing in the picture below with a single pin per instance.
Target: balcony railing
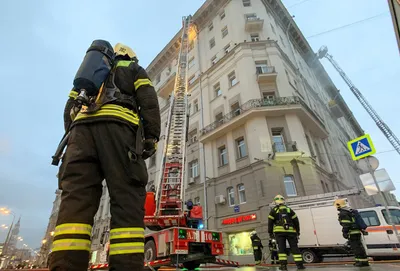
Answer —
(257, 103)
(285, 147)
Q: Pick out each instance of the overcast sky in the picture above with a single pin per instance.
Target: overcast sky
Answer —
(44, 41)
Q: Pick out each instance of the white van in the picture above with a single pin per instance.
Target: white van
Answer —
(381, 240)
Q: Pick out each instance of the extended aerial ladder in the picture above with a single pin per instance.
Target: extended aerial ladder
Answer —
(323, 52)
(169, 195)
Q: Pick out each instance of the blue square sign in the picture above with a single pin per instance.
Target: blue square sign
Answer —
(361, 147)
(236, 209)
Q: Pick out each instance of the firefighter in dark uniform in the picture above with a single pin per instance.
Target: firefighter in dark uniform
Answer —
(283, 224)
(273, 250)
(351, 232)
(108, 144)
(257, 247)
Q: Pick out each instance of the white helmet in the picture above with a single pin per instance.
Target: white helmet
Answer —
(253, 233)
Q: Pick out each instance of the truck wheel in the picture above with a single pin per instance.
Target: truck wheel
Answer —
(150, 251)
(310, 256)
(191, 265)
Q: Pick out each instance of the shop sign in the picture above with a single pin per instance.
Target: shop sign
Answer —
(238, 219)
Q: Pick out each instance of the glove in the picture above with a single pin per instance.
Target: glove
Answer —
(345, 236)
(150, 148)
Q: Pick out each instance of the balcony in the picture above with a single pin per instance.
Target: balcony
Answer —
(254, 24)
(268, 108)
(166, 89)
(266, 74)
(285, 151)
(335, 110)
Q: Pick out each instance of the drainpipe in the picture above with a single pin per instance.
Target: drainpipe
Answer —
(202, 154)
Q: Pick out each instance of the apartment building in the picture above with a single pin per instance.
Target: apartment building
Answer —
(265, 118)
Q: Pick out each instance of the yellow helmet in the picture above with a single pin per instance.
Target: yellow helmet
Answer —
(340, 203)
(121, 50)
(279, 199)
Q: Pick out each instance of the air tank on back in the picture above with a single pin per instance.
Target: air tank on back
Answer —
(95, 67)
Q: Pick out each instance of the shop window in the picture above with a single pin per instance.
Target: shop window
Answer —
(290, 186)
(240, 243)
(242, 193)
(231, 196)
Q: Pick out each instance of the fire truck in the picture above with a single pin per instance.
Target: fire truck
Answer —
(176, 237)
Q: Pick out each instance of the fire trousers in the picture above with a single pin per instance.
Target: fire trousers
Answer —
(257, 254)
(292, 240)
(98, 151)
(358, 249)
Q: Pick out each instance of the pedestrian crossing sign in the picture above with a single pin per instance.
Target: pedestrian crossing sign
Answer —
(361, 147)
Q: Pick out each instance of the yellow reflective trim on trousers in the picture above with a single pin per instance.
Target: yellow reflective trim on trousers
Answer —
(73, 94)
(345, 221)
(111, 110)
(73, 228)
(123, 63)
(270, 216)
(71, 244)
(354, 232)
(282, 229)
(127, 248)
(126, 233)
(142, 82)
(282, 256)
(297, 257)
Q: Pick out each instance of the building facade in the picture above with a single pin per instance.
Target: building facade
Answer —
(45, 249)
(265, 118)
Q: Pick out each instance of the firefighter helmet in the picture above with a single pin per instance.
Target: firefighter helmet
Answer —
(340, 203)
(121, 50)
(279, 199)
(253, 233)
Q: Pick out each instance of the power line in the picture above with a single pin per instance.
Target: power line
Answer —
(348, 25)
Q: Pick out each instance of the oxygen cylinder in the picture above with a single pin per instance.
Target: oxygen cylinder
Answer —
(95, 67)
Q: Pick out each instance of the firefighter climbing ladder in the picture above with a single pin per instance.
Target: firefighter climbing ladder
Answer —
(170, 193)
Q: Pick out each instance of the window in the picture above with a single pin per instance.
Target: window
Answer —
(191, 79)
(240, 244)
(222, 14)
(219, 118)
(370, 218)
(310, 146)
(251, 17)
(235, 109)
(191, 62)
(268, 95)
(278, 140)
(241, 148)
(232, 79)
(213, 60)
(223, 156)
(158, 78)
(394, 213)
(262, 68)
(290, 186)
(212, 43)
(231, 196)
(217, 90)
(195, 106)
(273, 29)
(168, 71)
(255, 37)
(226, 48)
(152, 161)
(191, 45)
(224, 31)
(193, 136)
(322, 161)
(194, 169)
(196, 201)
(242, 194)
(210, 27)
(246, 3)
(283, 43)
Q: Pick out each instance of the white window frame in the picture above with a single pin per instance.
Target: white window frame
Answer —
(224, 31)
(222, 15)
(219, 119)
(232, 79)
(230, 191)
(240, 144)
(265, 69)
(195, 106)
(191, 79)
(246, 3)
(191, 62)
(223, 152)
(194, 168)
(217, 90)
(214, 60)
(237, 111)
(226, 48)
(193, 136)
(289, 179)
(241, 193)
(210, 26)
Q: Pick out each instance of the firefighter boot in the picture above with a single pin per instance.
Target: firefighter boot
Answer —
(300, 266)
(283, 267)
